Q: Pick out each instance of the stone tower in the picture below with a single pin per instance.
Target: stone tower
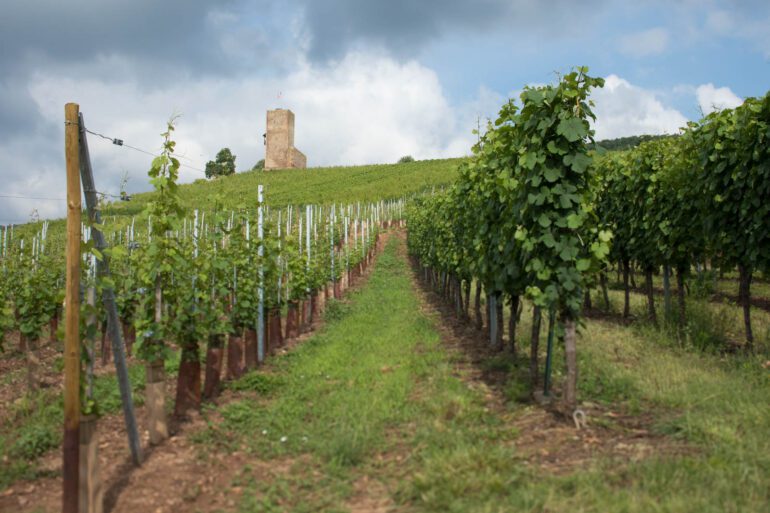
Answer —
(280, 152)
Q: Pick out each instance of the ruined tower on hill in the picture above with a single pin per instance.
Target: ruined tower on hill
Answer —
(280, 152)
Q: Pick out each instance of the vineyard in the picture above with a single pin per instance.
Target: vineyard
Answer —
(533, 215)
(355, 339)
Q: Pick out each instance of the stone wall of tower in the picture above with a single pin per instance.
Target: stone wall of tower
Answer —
(280, 152)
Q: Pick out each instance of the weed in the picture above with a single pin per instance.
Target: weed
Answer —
(702, 284)
(498, 363)
(517, 390)
(707, 326)
(256, 381)
(336, 310)
(33, 441)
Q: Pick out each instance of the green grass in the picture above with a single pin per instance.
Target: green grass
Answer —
(760, 287)
(719, 405)
(315, 185)
(710, 324)
(376, 396)
(374, 381)
(716, 405)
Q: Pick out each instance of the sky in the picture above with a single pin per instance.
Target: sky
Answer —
(369, 81)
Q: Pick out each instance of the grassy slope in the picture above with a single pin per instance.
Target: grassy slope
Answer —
(375, 398)
(282, 187)
(315, 185)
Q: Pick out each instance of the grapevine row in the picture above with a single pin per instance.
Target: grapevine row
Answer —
(195, 281)
(537, 213)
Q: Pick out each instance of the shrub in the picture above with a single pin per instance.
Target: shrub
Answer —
(405, 159)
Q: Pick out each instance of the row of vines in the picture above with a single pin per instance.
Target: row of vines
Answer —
(192, 281)
(536, 213)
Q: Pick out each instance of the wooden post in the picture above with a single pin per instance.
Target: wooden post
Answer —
(492, 313)
(155, 382)
(667, 308)
(477, 306)
(71, 445)
(534, 348)
(308, 310)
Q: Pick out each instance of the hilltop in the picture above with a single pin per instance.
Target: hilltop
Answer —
(315, 185)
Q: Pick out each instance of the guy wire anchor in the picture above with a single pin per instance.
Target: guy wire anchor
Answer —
(579, 417)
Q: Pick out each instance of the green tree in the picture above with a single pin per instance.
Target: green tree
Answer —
(223, 165)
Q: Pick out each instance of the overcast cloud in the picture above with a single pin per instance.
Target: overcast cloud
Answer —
(369, 82)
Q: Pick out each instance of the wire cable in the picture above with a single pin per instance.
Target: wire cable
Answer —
(119, 142)
(31, 197)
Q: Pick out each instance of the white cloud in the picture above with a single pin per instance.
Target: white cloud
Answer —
(712, 98)
(363, 109)
(366, 108)
(642, 44)
(623, 109)
(371, 109)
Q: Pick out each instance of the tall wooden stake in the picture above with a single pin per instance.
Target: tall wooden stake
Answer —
(71, 456)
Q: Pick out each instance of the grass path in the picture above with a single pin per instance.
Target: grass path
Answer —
(368, 415)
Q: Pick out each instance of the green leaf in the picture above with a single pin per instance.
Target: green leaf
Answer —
(578, 162)
(568, 253)
(574, 221)
(552, 174)
(544, 220)
(583, 264)
(573, 129)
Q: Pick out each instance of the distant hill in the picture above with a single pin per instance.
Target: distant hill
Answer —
(625, 143)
